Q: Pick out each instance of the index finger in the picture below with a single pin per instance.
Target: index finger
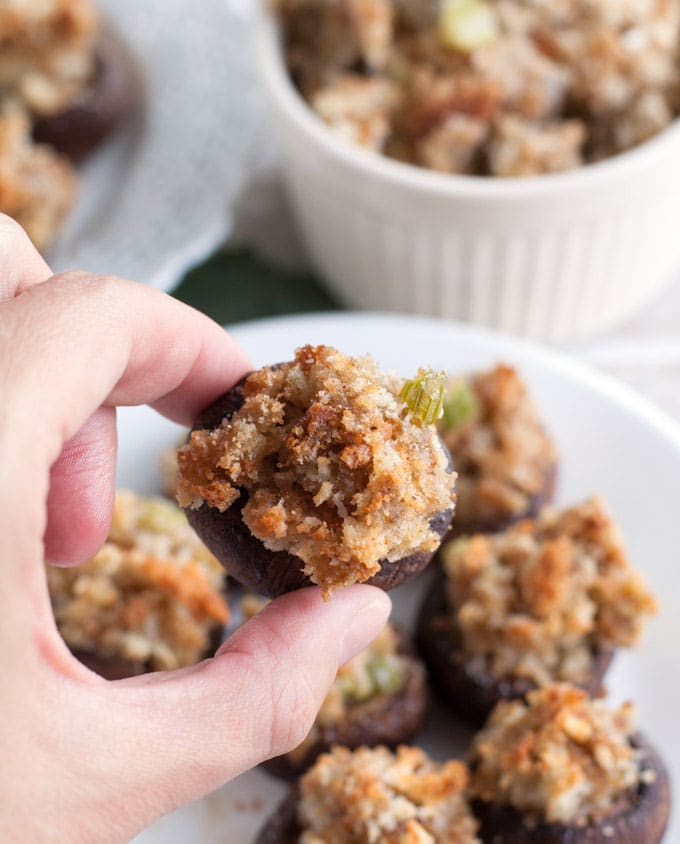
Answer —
(77, 342)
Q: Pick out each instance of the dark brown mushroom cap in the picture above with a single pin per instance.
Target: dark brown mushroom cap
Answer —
(282, 826)
(99, 110)
(118, 668)
(273, 573)
(390, 719)
(536, 504)
(469, 693)
(640, 817)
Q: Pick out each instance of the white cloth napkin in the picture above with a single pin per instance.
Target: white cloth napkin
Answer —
(159, 198)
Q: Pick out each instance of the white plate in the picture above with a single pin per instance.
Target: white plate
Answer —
(611, 441)
(159, 197)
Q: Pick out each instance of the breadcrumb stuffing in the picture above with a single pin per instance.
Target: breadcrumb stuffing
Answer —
(333, 466)
(357, 108)
(379, 797)
(538, 600)
(550, 86)
(501, 450)
(559, 758)
(37, 185)
(47, 51)
(152, 594)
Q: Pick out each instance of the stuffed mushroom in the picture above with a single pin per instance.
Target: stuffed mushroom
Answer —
(504, 457)
(64, 68)
(151, 599)
(105, 102)
(322, 470)
(548, 599)
(563, 769)
(371, 795)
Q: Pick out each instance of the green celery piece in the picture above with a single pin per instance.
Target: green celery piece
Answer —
(424, 395)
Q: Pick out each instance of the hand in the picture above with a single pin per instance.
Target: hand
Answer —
(84, 759)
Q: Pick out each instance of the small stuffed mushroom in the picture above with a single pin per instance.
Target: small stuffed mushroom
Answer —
(504, 457)
(100, 109)
(378, 698)
(151, 599)
(413, 800)
(561, 768)
(549, 599)
(67, 70)
(322, 470)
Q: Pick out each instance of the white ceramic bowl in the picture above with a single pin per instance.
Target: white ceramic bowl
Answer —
(551, 257)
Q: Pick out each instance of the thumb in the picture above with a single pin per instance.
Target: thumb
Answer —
(190, 731)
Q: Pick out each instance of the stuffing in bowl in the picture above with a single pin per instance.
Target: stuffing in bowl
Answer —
(393, 118)
(487, 87)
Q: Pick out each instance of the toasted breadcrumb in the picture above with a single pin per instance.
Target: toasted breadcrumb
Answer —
(538, 600)
(152, 594)
(501, 451)
(379, 797)
(37, 185)
(559, 758)
(336, 469)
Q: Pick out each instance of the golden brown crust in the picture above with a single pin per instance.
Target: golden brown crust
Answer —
(375, 795)
(538, 600)
(324, 464)
(558, 758)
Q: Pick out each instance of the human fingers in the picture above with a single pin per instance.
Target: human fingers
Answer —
(21, 265)
(81, 491)
(190, 731)
(81, 480)
(95, 342)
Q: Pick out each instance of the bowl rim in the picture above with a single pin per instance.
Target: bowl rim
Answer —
(590, 177)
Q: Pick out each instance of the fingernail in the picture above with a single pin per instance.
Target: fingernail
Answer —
(364, 625)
